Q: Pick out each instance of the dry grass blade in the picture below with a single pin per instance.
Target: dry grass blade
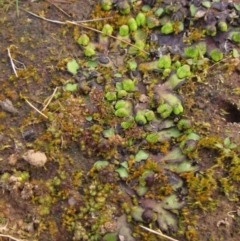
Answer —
(60, 9)
(158, 233)
(9, 237)
(81, 24)
(36, 109)
(50, 99)
(11, 61)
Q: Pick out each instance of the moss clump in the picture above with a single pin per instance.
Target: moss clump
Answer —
(184, 71)
(141, 20)
(236, 37)
(216, 55)
(128, 85)
(106, 5)
(110, 96)
(107, 29)
(191, 52)
(165, 62)
(222, 26)
(83, 40)
(132, 24)
(124, 31)
(152, 138)
(167, 28)
(124, 7)
(123, 108)
(89, 51)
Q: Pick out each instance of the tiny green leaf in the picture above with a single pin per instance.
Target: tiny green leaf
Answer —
(123, 173)
(226, 142)
(71, 87)
(141, 155)
(235, 53)
(72, 67)
(108, 133)
(98, 165)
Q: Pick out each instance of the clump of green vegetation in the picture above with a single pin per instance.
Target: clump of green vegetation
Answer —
(123, 108)
(235, 37)
(167, 28)
(184, 71)
(216, 55)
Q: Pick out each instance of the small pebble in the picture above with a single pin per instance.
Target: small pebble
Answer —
(35, 158)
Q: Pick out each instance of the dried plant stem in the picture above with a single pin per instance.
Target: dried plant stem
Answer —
(7, 235)
(10, 237)
(219, 62)
(158, 233)
(12, 60)
(81, 24)
(50, 98)
(36, 109)
(60, 9)
(12, 63)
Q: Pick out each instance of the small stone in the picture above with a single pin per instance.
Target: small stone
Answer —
(144, 98)
(7, 105)
(12, 159)
(35, 158)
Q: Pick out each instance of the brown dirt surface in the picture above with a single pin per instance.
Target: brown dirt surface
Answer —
(40, 50)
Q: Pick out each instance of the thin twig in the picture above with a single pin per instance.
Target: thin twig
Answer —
(12, 60)
(36, 109)
(11, 237)
(93, 20)
(229, 57)
(81, 24)
(24, 67)
(4, 227)
(7, 235)
(43, 18)
(109, 35)
(158, 233)
(50, 99)
(12, 63)
(59, 22)
(60, 9)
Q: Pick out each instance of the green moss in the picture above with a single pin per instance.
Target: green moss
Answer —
(107, 29)
(89, 51)
(152, 138)
(72, 66)
(83, 40)
(222, 26)
(106, 5)
(167, 28)
(140, 118)
(132, 24)
(110, 96)
(235, 36)
(141, 19)
(191, 52)
(124, 30)
(184, 71)
(165, 62)
(164, 110)
(216, 55)
(128, 85)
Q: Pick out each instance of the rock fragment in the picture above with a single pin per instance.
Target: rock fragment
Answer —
(35, 158)
(8, 106)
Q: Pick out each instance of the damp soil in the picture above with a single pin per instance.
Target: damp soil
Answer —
(40, 47)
